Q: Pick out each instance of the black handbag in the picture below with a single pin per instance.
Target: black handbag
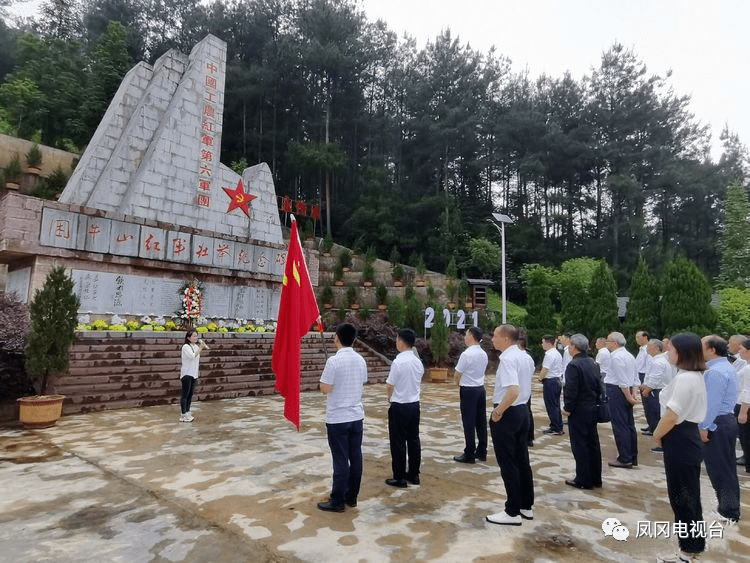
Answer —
(602, 411)
(602, 407)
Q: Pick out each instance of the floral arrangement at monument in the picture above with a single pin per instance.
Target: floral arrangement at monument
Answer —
(191, 293)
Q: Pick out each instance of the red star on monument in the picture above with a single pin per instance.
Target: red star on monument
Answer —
(240, 198)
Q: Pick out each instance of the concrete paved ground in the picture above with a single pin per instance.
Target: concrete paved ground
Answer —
(240, 484)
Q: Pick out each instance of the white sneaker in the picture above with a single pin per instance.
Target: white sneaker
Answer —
(504, 518)
(527, 514)
(189, 417)
(182, 418)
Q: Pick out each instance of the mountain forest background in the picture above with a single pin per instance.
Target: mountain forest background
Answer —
(410, 149)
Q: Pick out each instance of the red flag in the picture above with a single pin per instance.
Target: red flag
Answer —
(297, 312)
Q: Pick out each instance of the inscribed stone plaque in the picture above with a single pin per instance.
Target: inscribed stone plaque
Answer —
(263, 260)
(203, 250)
(97, 234)
(260, 304)
(92, 291)
(223, 254)
(153, 242)
(178, 246)
(59, 228)
(279, 262)
(274, 302)
(124, 238)
(243, 259)
(17, 283)
(217, 300)
(242, 296)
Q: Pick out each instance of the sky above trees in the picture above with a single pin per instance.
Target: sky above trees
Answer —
(702, 42)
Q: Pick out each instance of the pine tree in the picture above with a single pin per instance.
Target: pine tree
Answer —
(540, 318)
(601, 305)
(686, 299)
(54, 311)
(643, 307)
(735, 239)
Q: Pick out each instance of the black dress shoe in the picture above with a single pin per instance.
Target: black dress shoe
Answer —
(413, 480)
(572, 483)
(330, 507)
(645, 428)
(647, 433)
(481, 458)
(463, 459)
(352, 503)
(741, 460)
(400, 483)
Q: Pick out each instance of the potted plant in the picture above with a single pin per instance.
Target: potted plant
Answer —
(327, 245)
(338, 275)
(421, 270)
(351, 297)
(34, 159)
(450, 292)
(326, 296)
(430, 291)
(368, 274)
(345, 260)
(398, 275)
(381, 295)
(12, 173)
(53, 314)
(439, 350)
(464, 293)
(451, 271)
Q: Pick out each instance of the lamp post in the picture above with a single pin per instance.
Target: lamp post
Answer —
(502, 219)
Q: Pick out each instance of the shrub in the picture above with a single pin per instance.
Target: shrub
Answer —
(381, 294)
(34, 156)
(54, 311)
(345, 259)
(14, 324)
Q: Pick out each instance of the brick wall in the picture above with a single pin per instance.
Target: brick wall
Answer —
(110, 370)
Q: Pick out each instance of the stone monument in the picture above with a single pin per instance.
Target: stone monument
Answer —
(150, 206)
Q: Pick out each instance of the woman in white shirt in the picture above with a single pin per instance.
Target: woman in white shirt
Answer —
(683, 405)
(744, 401)
(189, 372)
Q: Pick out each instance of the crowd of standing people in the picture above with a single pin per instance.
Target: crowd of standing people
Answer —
(695, 394)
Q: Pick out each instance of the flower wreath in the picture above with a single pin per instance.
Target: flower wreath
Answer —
(191, 294)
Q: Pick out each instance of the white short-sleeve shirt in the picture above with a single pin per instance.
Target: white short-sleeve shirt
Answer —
(685, 396)
(553, 362)
(346, 372)
(602, 358)
(659, 372)
(472, 363)
(513, 370)
(622, 369)
(405, 377)
(744, 396)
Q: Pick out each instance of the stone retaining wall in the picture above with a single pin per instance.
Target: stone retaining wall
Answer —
(110, 370)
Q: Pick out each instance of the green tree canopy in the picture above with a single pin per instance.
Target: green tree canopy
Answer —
(686, 300)
(735, 239)
(601, 305)
(643, 306)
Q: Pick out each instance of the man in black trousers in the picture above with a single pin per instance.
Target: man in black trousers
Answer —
(583, 388)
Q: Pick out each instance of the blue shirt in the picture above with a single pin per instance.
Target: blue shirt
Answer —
(721, 391)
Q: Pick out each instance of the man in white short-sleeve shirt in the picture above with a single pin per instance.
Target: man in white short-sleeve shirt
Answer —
(403, 387)
(509, 425)
(343, 377)
(472, 363)
(602, 356)
(621, 381)
(658, 375)
(551, 377)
